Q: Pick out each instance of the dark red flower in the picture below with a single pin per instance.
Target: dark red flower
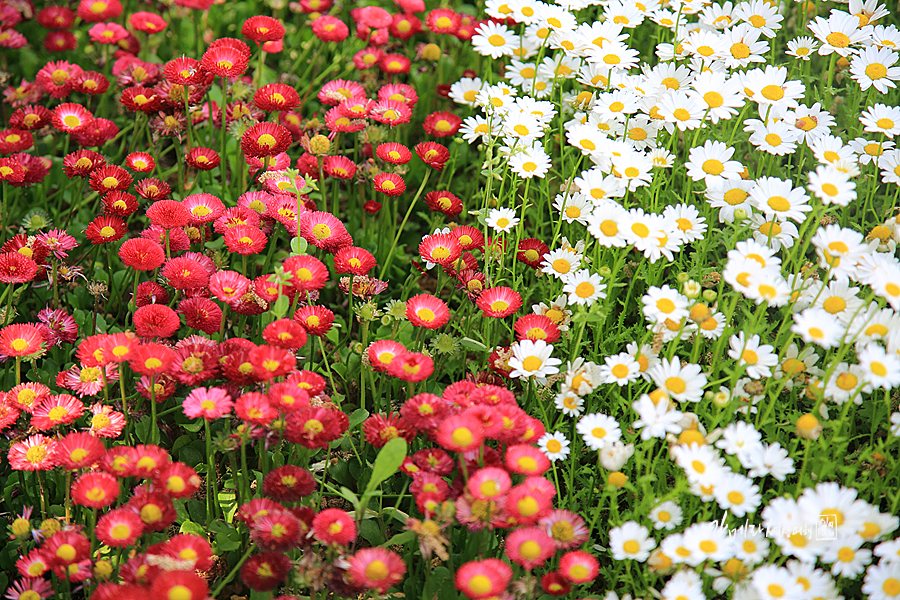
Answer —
(110, 178)
(265, 139)
(105, 228)
(441, 124)
(156, 320)
(142, 254)
(262, 29)
(276, 96)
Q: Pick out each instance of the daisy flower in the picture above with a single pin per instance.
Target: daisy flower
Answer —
(684, 383)
(598, 430)
(882, 119)
(758, 359)
(666, 515)
(712, 162)
(502, 220)
(802, 47)
(584, 287)
(838, 33)
(630, 541)
(554, 445)
(533, 359)
(874, 66)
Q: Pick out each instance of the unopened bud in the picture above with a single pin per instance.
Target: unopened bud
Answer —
(691, 288)
(319, 144)
(808, 427)
(709, 295)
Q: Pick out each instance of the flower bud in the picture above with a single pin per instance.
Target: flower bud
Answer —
(617, 479)
(808, 427)
(319, 144)
(709, 295)
(691, 288)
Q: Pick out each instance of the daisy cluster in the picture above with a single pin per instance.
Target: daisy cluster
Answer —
(747, 122)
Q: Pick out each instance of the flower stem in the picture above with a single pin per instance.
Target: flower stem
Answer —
(387, 260)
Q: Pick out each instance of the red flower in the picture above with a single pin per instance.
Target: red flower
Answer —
(31, 117)
(536, 327)
(60, 41)
(95, 490)
(440, 248)
(285, 333)
(15, 140)
(396, 154)
(334, 526)
(389, 184)
(179, 585)
(376, 568)
(152, 359)
(11, 170)
(152, 189)
(147, 22)
(447, 203)
(120, 204)
(266, 139)
(17, 268)
(255, 409)
(20, 339)
(324, 230)
(578, 566)
(411, 366)
(425, 310)
(330, 29)
(201, 313)
(394, 64)
(105, 229)
(55, 17)
(109, 178)
(380, 429)
(266, 571)
(367, 58)
(70, 117)
(529, 547)
(178, 479)
(315, 427)
(90, 82)
(441, 124)
(228, 286)
(56, 410)
(404, 26)
(107, 33)
(66, 548)
(316, 319)
(276, 96)
(555, 584)
(288, 483)
(140, 162)
(140, 99)
(93, 11)
(119, 528)
(310, 381)
(156, 320)
(352, 260)
(399, 92)
(443, 20)
(155, 509)
(98, 132)
(479, 579)
(337, 90)
(262, 29)
(433, 154)
(391, 112)
(288, 397)
(226, 59)
(499, 302)
(150, 292)
(169, 214)
(339, 167)
(55, 78)
(142, 254)
(185, 273)
(531, 252)
(245, 239)
(270, 362)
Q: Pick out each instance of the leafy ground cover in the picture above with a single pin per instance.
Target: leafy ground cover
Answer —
(516, 300)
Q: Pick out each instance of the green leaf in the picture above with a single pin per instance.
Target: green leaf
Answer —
(371, 532)
(281, 306)
(227, 537)
(142, 430)
(194, 528)
(358, 416)
(387, 462)
(299, 245)
(473, 344)
(400, 539)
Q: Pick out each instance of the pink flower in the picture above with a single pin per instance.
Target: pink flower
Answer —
(209, 403)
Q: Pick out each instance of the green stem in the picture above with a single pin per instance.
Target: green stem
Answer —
(387, 260)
